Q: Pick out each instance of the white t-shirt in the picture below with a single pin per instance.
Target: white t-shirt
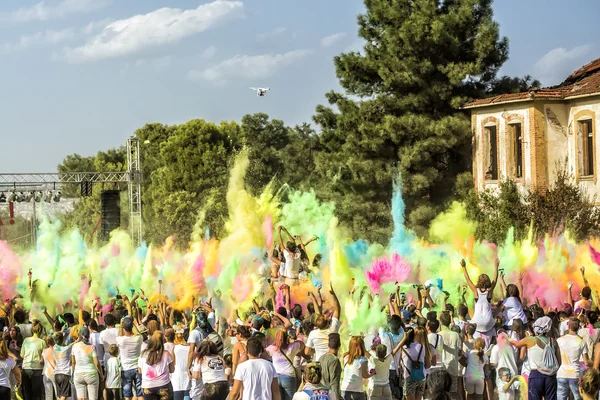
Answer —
(196, 384)
(213, 369)
(280, 362)
(195, 338)
(156, 375)
(5, 367)
(513, 310)
(292, 264)
(504, 359)
(84, 358)
(382, 370)
(113, 373)
(391, 340)
(130, 348)
(179, 378)
(475, 365)
(510, 394)
(318, 339)
(97, 343)
(353, 380)
(563, 327)
(256, 376)
(108, 337)
(590, 337)
(437, 344)
(62, 357)
(572, 347)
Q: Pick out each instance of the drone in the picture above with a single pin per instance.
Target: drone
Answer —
(260, 92)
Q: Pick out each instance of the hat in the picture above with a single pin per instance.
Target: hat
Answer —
(127, 324)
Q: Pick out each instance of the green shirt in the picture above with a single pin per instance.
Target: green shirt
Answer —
(31, 353)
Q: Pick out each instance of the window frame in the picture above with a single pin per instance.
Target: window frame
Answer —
(578, 119)
(511, 161)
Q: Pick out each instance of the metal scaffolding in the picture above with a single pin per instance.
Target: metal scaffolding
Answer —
(22, 182)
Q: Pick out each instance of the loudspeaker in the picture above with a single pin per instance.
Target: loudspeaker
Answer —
(111, 213)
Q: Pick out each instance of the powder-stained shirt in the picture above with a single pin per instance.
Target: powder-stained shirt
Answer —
(31, 352)
(332, 373)
(451, 351)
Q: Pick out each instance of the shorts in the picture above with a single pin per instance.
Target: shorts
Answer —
(63, 385)
(474, 386)
(131, 380)
(411, 388)
(380, 393)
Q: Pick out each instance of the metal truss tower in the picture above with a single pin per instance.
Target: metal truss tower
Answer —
(35, 182)
(135, 189)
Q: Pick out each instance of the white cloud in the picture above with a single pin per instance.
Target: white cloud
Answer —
(25, 42)
(558, 63)
(330, 40)
(159, 27)
(54, 9)
(96, 26)
(209, 52)
(270, 34)
(248, 67)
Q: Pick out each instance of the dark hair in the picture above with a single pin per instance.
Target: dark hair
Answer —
(445, 319)
(297, 311)
(431, 316)
(334, 341)
(311, 308)
(59, 338)
(317, 260)
(395, 323)
(592, 317)
(254, 346)
(291, 247)
(574, 325)
(69, 318)
(155, 349)
(307, 326)
(110, 320)
(84, 335)
(433, 325)
(207, 348)
(513, 291)
(463, 310)
(244, 331)
(282, 311)
(93, 324)
(85, 316)
(586, 292)
(20, 316)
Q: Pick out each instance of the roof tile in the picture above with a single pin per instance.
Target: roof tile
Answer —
(583, 82)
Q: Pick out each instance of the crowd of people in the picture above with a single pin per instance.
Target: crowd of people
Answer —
(499, 346)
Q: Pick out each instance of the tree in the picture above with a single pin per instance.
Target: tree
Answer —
(190, 172)
(507, 84)
(410, 80)
(87, 211)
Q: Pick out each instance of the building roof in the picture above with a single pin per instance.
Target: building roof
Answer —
(583, 82)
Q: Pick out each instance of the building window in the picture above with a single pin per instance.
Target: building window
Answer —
(491, 153)
(585, 147)
(516, 149)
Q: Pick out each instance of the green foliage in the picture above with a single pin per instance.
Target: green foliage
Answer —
(410, 81)
(564, 206)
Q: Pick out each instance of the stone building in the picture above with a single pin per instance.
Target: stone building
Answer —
(527, 136)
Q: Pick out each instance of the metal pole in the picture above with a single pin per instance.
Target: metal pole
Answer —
(34, 223)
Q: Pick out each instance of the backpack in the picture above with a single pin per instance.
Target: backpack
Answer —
(416, 370)
(549, 362)
(319, 394)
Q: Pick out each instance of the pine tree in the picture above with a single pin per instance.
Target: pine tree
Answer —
(401, 113)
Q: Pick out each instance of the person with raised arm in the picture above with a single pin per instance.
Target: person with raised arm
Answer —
(318, 339)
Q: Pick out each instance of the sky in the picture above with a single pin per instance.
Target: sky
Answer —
(79, 76)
